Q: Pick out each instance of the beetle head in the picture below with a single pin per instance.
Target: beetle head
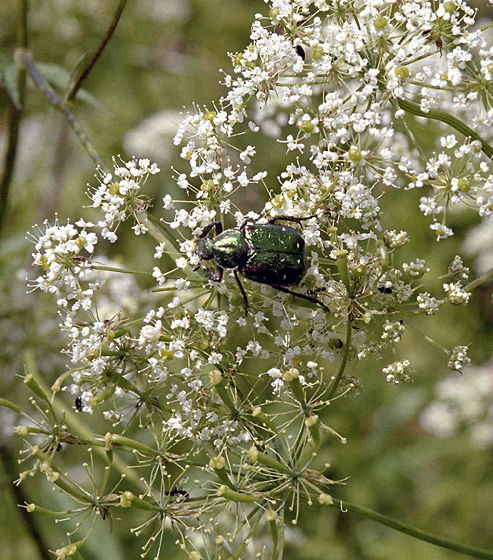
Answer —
(204, 248)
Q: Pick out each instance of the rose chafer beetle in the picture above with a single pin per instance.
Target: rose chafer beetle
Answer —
(269, 253)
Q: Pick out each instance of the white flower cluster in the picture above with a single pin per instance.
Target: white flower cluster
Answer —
(456, 293)
(294, 77)
(398, 372)
(62, 253)
(458, 358)
(121, 197)
(333, 87)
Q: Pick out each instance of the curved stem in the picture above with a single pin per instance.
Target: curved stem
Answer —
(343, 362)
(454, 122)
(71, 93)
(416, 533)
(120, 270)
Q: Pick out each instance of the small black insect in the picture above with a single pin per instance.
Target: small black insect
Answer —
(385, 289)
(78, 403)
(300, 51)
(178, 494)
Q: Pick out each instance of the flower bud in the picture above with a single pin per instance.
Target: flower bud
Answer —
(215, 377)
(325, 499)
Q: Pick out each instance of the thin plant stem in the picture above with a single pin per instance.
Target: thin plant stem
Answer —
(72, 92)
(416, 533)
(14, 121)
(57, 101)
(343, 362)
(478, 281)
(280, 545)
(165, 235)
(454, 122)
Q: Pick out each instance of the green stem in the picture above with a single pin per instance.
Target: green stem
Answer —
(481, 280)
(117, 269)
(234, 496)
(280, 550)
(11, 405)
(123, 441)
(55, 100)
(14, 121)
(454, 122)
(343, 362)
(70, 95)
(416, 533)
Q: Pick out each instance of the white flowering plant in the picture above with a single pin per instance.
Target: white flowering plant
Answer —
(215, 388)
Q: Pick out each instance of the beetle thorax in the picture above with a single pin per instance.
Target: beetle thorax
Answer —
(230, 249)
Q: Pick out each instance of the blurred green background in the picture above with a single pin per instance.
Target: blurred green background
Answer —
(165, 56)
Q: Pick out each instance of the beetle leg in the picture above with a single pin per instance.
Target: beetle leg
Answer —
(218, 276)
(241, 228)
(242, 290)
(215, 277)
(207, 229)
(313, 299)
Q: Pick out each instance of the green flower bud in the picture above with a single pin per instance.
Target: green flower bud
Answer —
(310, 281)
(401, 72)
(114, 188)
(355, 154)
(318, 52)
(307, 126)
(449, 7)
(464, 185)
(278, 201)
(207, 186)
(380, 22)
(126, 499)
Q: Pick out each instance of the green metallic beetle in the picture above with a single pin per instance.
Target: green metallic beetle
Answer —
(269, 253)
